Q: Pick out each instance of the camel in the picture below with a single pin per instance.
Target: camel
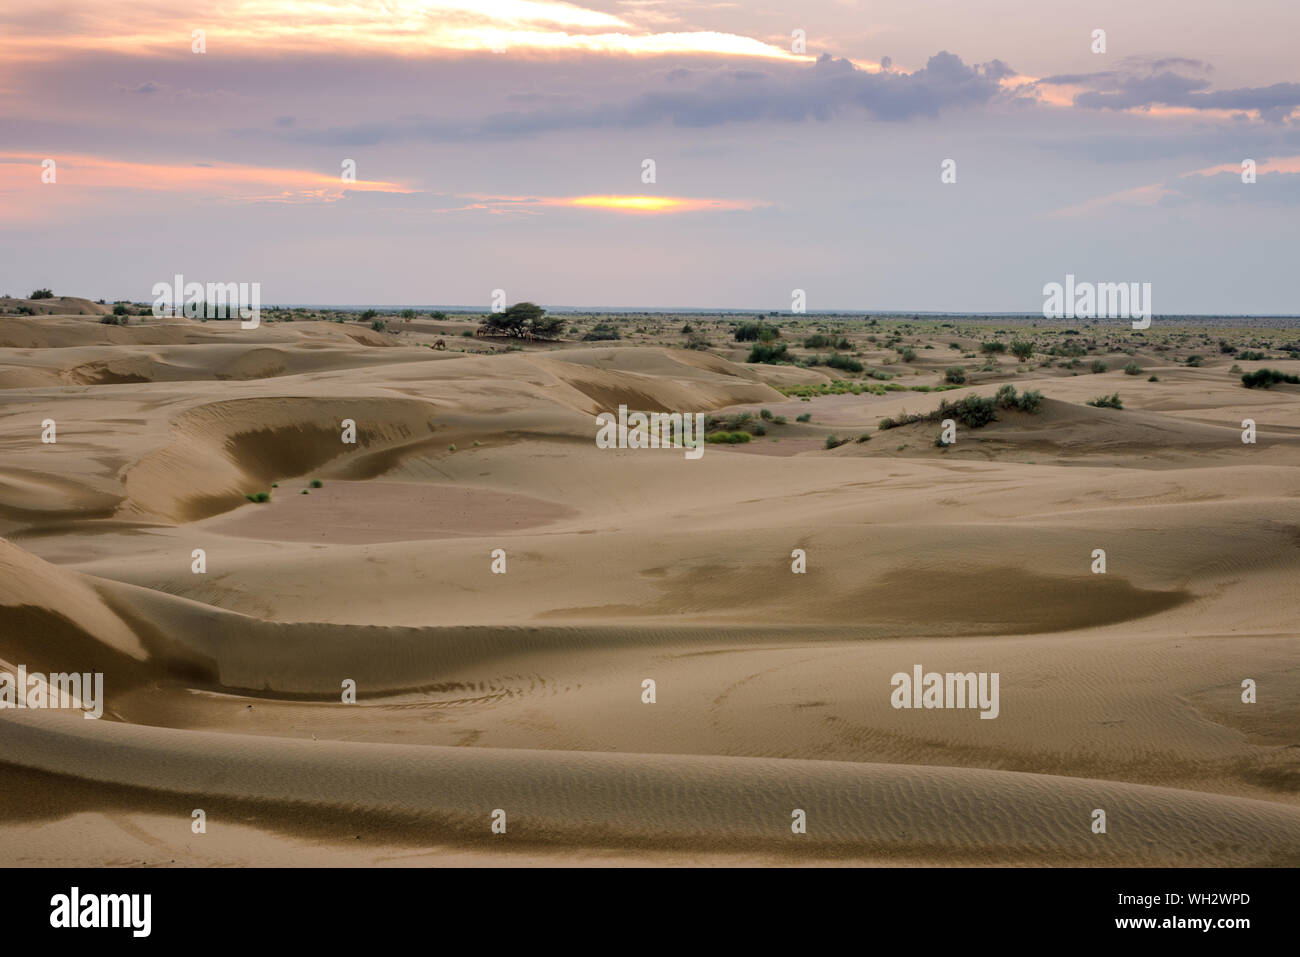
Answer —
(440, 344)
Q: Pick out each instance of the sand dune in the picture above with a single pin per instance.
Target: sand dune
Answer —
(568, 798)
(479, 690)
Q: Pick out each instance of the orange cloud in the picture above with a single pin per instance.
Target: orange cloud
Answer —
(617, 204)
(1281, 164)
(414, 27)
(225, 180)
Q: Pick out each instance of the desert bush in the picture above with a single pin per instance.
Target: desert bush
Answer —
(1098, 366)
(833, 443)
(817, 341)
(768, 354)
(1266, 378)
(756, 332)
(907, 353)
(992, 348)
(736, 422)
(1249, 356)
(1154, 378)
(41, 294)
(1022, 349)
(1195, 361)
(955, 375)
(728, 438)
(806, 417)
(973, 411)
(379, 325)
(1027, 401)
(1107, 402)
(259, 497)
(1132, 369)
(602, 332)
(845, 363)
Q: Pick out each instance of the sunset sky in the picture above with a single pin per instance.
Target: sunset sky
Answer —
(500, 144)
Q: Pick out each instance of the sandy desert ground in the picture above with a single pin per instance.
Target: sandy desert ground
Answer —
(522, 691)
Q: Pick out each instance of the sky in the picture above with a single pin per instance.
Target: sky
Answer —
(433, 151)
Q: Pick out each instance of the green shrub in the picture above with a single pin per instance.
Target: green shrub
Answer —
(845, 363)
(768, 354)
(41, 294)
(806, 417)
(973, 411)
(728, 438)
(1132, 369)
(316, 483)
(833, 443)
(1195, 361)
(818, 341)
(1107, 402)
(379, 325)
(259, 497)
(864, 437)
(1266, 378)
(1027, 401)
(955, 375)
(1154, 378)
(1022, 349)
(602, 332)
(756, 332)
(907, 353)
(992, 348)
(1098, 366)
(765, 414)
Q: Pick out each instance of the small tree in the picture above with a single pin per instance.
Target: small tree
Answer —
(41, 294)
(1022, 349)
(514, 319)
(547, 327)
